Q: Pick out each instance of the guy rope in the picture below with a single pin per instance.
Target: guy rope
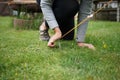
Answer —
(87, 18)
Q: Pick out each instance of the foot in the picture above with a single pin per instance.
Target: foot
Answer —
(55, 37)
(44, 35)
(90, 46)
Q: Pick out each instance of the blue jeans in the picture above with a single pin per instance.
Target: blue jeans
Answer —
(84, 10)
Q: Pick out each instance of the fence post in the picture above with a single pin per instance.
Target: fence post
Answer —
(118, 11)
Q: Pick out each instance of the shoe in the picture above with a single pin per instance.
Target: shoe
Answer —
(44, 35)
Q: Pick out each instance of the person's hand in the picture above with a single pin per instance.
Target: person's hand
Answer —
(56, 36)
(90, 46)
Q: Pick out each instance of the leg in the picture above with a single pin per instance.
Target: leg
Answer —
(65, 16)
(65, 27)
(84, 11)
(43, 26)
(44, 35)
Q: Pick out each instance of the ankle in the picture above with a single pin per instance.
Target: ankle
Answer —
(43, 26)
(80, 44)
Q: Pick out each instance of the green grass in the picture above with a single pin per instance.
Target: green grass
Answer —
(24, 57)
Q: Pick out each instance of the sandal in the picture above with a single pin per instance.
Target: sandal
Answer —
(44, 35)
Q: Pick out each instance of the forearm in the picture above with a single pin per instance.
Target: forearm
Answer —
(46, 6)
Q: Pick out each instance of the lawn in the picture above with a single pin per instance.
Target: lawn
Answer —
(24, 57)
